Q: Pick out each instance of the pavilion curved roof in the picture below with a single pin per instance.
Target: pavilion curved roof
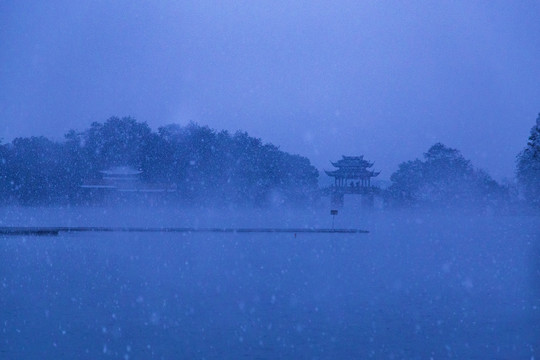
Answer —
(352, 162)
(351, 167)
(121, 171)
(352, 174)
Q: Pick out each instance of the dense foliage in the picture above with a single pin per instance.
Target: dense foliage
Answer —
(202, 164)
(443, 177)
(528, 167)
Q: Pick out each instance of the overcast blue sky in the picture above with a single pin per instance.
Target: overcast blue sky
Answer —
(318, 78)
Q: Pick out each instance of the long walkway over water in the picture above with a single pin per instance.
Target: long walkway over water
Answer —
(57, 230)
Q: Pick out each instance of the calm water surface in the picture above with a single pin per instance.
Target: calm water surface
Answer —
(414, 288)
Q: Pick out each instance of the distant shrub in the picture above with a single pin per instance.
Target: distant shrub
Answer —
(443, 177)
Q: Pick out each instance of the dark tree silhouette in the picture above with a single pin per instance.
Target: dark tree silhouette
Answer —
(204, 165)
(443, 177)
(528, 167)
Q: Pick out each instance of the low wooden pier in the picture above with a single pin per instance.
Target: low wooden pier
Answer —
(57, 230)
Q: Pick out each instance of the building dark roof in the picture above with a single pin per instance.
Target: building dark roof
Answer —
(352, 162)
(352, 173)
(352, 167)
(121, 171)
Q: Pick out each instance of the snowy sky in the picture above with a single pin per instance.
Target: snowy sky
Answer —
(319, 78)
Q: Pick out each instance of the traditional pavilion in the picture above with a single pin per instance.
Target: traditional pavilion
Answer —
(352, 172)
(120, 178)
(125, 179)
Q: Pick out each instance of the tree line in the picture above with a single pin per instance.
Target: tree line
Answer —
(207, 165)
(445, 177)
(203, 164)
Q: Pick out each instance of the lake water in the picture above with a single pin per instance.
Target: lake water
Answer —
(418, 286)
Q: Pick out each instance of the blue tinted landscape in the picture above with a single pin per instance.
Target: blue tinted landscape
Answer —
(418, 286)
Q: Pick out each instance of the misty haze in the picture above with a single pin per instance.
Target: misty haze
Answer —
(269, 180)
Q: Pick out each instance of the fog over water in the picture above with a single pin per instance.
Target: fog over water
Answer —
(431, 103)
(419, 285)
